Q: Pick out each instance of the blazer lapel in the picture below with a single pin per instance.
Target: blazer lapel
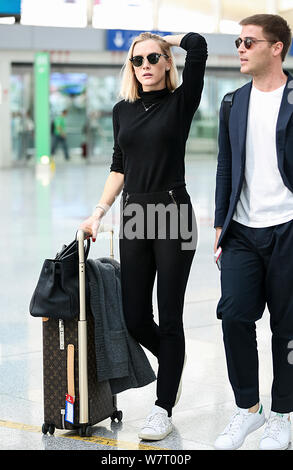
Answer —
(243, 106)
(285, 112)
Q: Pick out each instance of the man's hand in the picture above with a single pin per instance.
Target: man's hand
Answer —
(218, 233)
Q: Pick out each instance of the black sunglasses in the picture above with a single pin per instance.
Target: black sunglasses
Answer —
(153, 58)
(249, 41)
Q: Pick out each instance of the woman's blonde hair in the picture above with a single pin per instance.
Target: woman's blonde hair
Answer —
(130, 84)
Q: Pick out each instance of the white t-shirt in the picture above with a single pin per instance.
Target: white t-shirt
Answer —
(264, 199)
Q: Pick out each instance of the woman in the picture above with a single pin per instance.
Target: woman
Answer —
(151, 126)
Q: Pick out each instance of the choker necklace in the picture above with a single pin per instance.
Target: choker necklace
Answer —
(147, 108)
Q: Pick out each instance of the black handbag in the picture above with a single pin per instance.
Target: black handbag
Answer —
(57, 292)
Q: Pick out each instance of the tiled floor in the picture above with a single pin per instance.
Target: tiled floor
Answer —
(37, 217)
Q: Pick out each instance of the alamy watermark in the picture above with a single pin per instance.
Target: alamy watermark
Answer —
(290, 344)
(290, 95)
(290, 355)
(160, 221)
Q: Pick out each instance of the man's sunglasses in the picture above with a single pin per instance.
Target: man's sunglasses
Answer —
(153, 58)
(249, 41)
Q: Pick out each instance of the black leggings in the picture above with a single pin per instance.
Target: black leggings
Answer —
(141, 260)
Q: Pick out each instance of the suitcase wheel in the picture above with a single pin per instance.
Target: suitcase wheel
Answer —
(48, 427)
(117, 415)
(85, 431)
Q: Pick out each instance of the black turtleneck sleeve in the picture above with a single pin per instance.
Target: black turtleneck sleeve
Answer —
(150, 134)
(117, 158)
(193, 72)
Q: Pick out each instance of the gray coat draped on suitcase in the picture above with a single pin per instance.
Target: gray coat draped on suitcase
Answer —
(120, 359)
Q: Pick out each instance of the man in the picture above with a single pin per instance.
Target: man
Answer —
(59, 134)
(254, 228)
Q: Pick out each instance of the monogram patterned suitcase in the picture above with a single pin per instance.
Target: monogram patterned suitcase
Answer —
(73, 398)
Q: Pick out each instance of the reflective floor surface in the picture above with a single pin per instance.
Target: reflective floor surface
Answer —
(37, 217)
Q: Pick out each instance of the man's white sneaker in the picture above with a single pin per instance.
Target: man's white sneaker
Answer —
(179, 391)
(242, 423)
(157, 425)
(277, 433)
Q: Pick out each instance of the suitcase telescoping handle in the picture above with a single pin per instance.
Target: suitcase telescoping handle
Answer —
(82, 324)
(81, 236)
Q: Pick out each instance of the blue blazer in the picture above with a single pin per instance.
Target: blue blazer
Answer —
(232, 151)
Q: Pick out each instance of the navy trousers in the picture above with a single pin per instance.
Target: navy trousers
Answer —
(257, 270)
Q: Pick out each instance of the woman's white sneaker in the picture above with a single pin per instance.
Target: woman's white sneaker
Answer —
(242, 423)
(277, 433)
(157, 425)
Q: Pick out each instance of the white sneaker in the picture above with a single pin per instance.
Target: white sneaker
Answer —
(277, 433)
(157, 425)
(179, 391)
(242, 423)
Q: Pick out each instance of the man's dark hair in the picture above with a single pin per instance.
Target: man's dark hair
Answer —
(275, 28)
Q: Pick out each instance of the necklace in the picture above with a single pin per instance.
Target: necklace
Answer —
(147, 108)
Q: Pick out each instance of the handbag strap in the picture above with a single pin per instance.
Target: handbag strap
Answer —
(88, 245)
(66, 250)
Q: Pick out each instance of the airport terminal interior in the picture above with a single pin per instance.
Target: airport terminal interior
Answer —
(43, 201)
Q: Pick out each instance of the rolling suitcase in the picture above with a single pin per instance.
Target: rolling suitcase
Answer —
(73, 398)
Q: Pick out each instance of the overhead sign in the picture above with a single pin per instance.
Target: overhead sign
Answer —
(121, 39)
(10, 7)
(62, 13)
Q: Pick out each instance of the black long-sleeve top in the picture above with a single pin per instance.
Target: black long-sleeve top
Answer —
(149, 146)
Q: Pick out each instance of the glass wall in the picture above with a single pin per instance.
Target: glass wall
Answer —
(88, 95)
(22, 126)
(68, 93)
(102, 93)
(203, 137)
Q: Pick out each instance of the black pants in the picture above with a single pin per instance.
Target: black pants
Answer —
(141, 259)
(257, 269)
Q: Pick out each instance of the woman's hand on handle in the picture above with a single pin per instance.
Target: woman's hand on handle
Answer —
(90, 226)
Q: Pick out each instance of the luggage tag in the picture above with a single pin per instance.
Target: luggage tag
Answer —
(69, 409)
(70, 396)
